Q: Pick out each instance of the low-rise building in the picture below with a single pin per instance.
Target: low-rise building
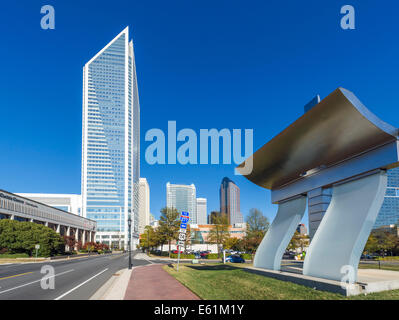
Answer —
(15, 207)
(67, 202)
(200, 233)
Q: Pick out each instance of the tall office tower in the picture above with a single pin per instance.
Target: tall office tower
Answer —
(144, 204)
(110, 144)
(389, 212)
(230, 201)
(201, 211)
(319, 198)
(183, 198)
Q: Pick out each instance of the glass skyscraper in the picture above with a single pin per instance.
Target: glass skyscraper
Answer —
(389, 212)
(230, 201)
(183, 198)
(110, 144)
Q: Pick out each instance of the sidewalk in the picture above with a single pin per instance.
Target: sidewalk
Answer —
(115, 287)
(151, 282)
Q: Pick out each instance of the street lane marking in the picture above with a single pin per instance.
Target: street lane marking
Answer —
(17, 275)
(78, 286)
(27, 284)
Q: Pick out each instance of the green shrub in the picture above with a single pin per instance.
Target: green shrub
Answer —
(212, 256)
(182, 256)
(21, 237)
(387, 258)
(163, 253)
(246, 256)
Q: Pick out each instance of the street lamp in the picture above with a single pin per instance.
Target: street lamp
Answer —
(129, 222)
(148, 241)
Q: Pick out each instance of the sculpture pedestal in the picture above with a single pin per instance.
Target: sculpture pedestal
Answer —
(336, 248)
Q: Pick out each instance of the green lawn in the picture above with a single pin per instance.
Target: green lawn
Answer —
(13, 255)
(228, 282)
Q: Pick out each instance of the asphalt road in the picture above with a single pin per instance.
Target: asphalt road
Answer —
(76, 279)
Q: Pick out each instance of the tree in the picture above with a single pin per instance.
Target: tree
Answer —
(169, 225)
(371, 245)
(69, 242)
(21, 237)
(381, 241)
(219, 231)
(257, 226)
(148, 239)
(298, 241)
(231, 243)
(257, 223)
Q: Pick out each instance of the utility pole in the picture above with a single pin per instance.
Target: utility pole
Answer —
(148, 241)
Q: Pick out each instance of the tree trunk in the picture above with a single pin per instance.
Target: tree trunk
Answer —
(169, 248)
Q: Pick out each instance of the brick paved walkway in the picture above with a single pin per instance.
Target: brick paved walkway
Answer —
(153, 283)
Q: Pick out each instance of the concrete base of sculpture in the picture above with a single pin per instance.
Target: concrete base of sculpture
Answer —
(369, 281)
(271, 250)
(336, 248)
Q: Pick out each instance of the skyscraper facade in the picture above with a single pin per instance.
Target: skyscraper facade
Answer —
(230, 201)
(389, 212)
(110, 144)
(144, 205)
(201, 211)
(183, 198)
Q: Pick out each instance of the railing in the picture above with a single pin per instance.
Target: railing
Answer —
(379, 264)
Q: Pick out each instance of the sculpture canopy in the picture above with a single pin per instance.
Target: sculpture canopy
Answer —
(338, 128)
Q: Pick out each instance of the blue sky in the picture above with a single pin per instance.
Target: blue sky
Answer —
(205, 64)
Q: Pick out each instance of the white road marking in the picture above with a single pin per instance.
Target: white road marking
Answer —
(78, 286)
(27, 284)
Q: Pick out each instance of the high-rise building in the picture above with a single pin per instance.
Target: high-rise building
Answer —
(183, 198)
(67, 202)
(230, 201)
(389, 212)
(201, 211)
(301, 229)
(110, 144)
(144, 204)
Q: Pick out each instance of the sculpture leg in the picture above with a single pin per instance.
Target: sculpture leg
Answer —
(277, 238)
(345, 228)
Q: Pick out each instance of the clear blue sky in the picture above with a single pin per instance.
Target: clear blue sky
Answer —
(205, 64)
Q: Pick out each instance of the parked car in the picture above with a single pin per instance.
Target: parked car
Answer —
(197, 255)
(289, 255)
(235, 259)
(203, 254)
(176, 251)
(366, 256)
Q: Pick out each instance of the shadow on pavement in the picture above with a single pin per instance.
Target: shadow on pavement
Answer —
(214, 267)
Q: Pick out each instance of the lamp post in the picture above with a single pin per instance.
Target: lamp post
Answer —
(129, 222)
(148, 241)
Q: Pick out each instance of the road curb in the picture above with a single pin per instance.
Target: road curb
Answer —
(115, 287)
